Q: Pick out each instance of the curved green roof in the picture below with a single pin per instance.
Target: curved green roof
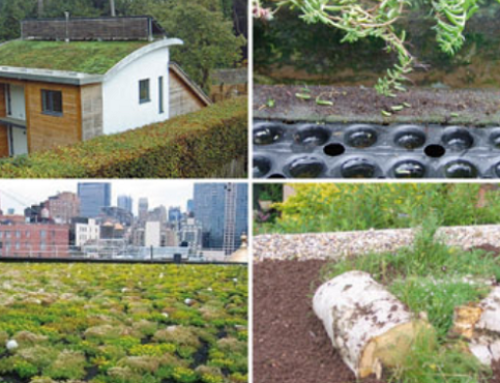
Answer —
(92, 57)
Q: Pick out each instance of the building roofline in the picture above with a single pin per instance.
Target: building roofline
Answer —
(141, 52)
(51, 76)
(173, 66)
(80, 78)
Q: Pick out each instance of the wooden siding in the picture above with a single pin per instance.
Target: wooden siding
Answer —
(48, 132)
(182, 99)
(120, 28)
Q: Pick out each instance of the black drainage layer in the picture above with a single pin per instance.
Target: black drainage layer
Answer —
(374, 151)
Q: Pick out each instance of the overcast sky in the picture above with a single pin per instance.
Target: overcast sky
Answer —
(19, 194)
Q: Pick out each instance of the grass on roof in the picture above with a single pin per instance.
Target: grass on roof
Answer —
(87, 57)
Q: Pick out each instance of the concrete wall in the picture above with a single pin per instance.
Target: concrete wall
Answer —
(92, 112)
(152, 235)
(122, 110)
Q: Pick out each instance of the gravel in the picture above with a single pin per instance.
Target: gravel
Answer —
(337, 245)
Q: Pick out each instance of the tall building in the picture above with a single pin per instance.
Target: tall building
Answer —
(191, 233)
(222, 210)
(190, 206)
(93, 197)
(238, 215)
(175, 216)
(63, 207)
(143, 209)
(117, 214)
(158, 214)
(125, 202)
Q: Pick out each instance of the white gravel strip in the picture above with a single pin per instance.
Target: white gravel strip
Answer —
(340, 244)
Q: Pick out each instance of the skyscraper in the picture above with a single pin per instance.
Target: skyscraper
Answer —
(236, 221)
(93, 197)
(143, 209)
(125, 202)
(174, 214)
(190, 206)
(222, 211)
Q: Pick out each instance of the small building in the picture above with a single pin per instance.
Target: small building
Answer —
(34, 240)
(70, 80)
(152, 236)
(84, 230)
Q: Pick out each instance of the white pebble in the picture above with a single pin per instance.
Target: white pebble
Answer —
(11, 345)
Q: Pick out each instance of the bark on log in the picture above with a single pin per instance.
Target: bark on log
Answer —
(480, 325)
(368, 325)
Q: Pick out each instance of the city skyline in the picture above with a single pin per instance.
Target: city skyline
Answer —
(19, 194)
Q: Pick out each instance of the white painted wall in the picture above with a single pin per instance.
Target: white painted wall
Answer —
(121, 108)
(152, 234)
(86, 232)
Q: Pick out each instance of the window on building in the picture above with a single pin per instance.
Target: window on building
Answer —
(18, 245)
(18, 234)
(28, 234)
(43, 246)
(144, 91)
(43, 234)
(160, 94)
(7, 234)
(52, 102)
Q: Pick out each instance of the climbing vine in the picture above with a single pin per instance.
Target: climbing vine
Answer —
(377, 18)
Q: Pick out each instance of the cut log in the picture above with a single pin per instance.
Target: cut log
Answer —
(367, 325)
(480, 325)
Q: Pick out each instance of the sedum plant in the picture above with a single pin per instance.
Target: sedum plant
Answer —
(360, 19)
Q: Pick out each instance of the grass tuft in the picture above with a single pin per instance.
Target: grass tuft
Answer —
(432, 278)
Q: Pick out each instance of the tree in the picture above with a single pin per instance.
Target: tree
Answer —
(209, 40)
(11, 13)
(40, 8)
(112, 7)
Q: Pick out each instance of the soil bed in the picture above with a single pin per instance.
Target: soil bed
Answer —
(290, 343)
(363, 104)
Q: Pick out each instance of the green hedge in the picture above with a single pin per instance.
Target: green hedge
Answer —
(196, 145)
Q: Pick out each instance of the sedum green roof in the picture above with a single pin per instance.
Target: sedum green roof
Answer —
(92, 57)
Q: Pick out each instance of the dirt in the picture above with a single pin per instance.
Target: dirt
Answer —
(290, 343)
(364, 105)
(495, 251)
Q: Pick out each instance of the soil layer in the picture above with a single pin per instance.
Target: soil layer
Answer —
(290, 343)
(364, 105)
